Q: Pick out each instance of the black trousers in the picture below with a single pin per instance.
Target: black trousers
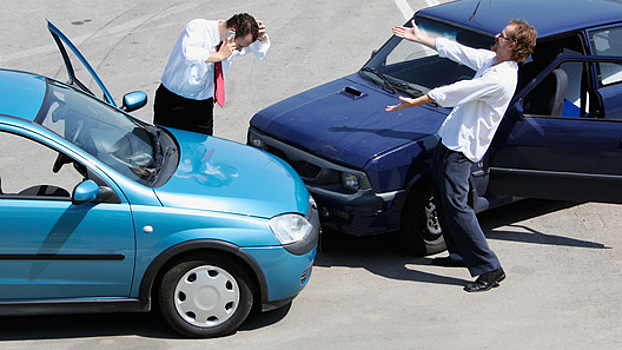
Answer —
(178, 112)
(463, 235)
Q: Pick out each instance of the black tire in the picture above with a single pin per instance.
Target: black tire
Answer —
(421, 232)
(205, 297)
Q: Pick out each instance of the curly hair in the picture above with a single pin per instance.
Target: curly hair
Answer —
(524, 36)
(243, 23)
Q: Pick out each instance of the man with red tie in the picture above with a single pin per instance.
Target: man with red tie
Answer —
(193, 79)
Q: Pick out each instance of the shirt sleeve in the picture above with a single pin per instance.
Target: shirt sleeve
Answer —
(195, 44)
(483, 88)
(258, 48)
(470, 57)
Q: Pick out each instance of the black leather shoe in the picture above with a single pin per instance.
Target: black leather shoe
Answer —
(448, 261)
(486, 281)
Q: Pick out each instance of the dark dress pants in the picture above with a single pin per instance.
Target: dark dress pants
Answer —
(178, 112)
(463, 235)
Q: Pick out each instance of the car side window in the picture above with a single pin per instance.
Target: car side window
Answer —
(566, 89)
(608, 42)
(563, 92)
(26, 170)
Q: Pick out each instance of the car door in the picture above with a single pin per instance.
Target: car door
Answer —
(80, 73)
(572, 154)
(50, 247)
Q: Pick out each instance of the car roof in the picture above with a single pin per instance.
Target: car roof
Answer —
(549, 17)
(21, 94)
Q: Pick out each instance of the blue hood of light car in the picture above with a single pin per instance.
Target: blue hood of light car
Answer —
(225, 176)
(338, 126)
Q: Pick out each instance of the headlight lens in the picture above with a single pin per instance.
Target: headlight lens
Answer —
(350, 182)
(290, 228)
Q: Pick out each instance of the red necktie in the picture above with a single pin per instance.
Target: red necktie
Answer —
(219, 82)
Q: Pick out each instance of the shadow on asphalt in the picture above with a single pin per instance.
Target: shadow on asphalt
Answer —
(511, 214)
(383, 255)
(149, 325)
(84, 326)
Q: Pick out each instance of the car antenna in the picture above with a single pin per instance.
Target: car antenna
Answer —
(475, 11)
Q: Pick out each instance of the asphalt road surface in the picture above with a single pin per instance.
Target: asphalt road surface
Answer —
(563, 260)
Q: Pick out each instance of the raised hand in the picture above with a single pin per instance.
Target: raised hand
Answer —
(262, 31)
(408, 33)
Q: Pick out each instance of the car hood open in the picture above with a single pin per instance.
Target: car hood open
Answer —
(225, 176)
(347, 126)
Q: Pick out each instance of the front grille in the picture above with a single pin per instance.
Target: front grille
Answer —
(314, 170)
(303, 168)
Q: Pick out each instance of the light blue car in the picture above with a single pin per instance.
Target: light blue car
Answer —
(102, 212)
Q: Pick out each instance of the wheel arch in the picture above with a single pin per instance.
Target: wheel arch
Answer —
(421, 181)
(196, 247)
(416, 236)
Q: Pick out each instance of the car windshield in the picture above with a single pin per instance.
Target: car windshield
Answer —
(415, 69)
(122, 143)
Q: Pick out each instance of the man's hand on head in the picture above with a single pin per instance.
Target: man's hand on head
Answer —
(262, 32)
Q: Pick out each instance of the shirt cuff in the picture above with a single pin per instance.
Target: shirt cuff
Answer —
(260, 48)
(440, 46)
(435, 95)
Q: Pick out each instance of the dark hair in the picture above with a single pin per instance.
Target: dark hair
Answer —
(524, 36)
(244, 24)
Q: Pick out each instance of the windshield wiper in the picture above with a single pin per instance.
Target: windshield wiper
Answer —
(411, 90)
(386, 81)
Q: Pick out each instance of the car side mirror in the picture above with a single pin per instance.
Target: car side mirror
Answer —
(515, 111)
(134, 100)
(84, 192)
(89, 191)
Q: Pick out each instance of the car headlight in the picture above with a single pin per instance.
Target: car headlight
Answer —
(350, 181)
(290, 228)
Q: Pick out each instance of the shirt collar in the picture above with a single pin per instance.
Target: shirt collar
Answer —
(216, 35)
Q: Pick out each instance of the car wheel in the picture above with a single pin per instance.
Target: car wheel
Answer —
(205, 297)
(421, 232)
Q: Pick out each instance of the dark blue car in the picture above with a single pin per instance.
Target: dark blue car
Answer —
(369, 170)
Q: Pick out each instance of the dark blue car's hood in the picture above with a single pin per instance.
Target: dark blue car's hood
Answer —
(347, 130)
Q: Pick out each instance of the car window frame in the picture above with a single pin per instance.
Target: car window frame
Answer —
(592, 46)
(63, 41)
(112, 198)
(593, 111)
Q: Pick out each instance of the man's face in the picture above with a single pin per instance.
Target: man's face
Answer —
(504, 43)
(242, 42)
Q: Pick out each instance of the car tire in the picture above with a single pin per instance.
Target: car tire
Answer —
(420, 232)
(205, 298)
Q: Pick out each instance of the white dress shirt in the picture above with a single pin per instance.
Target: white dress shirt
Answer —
(478, 104)
(187, 74)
